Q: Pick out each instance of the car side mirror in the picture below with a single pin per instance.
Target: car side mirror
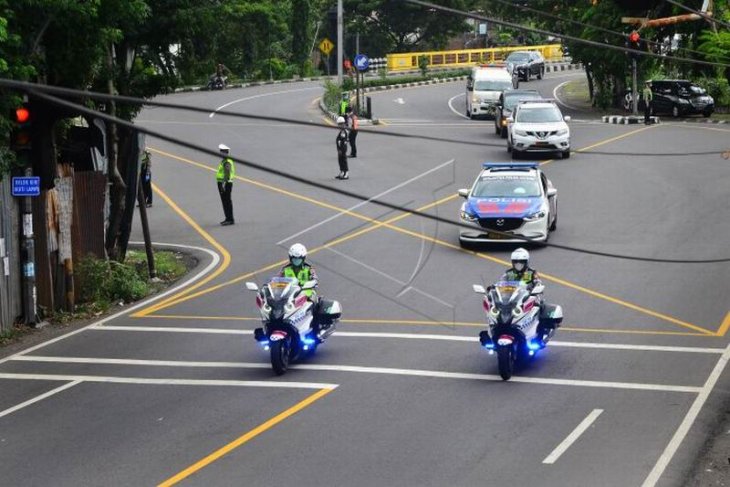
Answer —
(537, 290)
(479, 289)
(309, 285)
(251, 286)
(464, 193)
(552, 191)
(566, 118)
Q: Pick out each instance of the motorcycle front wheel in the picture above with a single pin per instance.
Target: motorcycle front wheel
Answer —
(506, 362)
(280, 356)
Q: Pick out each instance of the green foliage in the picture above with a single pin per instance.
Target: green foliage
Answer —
(108, 281)
(423, 64)
(332, 96)
(169, 265)
(718, 88)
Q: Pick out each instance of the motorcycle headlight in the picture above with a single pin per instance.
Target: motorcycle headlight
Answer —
(494, 311)
(562, 132)
(521, 133)
(265, 310)
(517, 311)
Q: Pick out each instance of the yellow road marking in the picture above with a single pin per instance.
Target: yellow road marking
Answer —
(244, 439)
(460, 324)
(222, 250)
(695, 126)
(724, 326)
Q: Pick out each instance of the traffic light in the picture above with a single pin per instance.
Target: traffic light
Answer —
(634, 42)
(21, 140)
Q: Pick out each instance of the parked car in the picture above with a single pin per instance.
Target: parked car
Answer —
(526, 64)
(680, 98)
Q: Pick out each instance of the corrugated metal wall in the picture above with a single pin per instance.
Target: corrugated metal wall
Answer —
(10, 290)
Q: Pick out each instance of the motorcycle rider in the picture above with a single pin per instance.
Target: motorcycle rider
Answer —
(521, 271)
(299, 269)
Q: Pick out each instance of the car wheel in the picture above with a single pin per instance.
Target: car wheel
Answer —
(541, 73)
(503, 132)
(675, 111)
(554, 224)
(509, 145)
(707, 113)
(566, 154)
(497, 129)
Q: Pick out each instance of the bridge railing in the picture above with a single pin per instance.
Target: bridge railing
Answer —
(466, 57)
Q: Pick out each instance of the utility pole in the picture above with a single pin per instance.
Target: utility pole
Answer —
(340, 36)
(635, 88)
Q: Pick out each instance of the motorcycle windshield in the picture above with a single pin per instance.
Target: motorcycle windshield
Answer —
(277, 293)
(505, 296)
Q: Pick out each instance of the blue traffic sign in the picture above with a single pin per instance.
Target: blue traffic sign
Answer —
(27, 186)
(362, 62)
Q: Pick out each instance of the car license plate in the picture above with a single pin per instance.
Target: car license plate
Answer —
(542, 143)
(497, 236)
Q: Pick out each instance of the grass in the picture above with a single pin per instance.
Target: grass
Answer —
(575, 93)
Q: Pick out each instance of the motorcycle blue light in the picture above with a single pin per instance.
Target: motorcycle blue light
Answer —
(308, 341)
(533, 346)
(489, 346)
(530, 353)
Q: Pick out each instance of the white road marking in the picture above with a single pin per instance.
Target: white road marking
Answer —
(400, 101)
(212, 114)
(687, 422)
(330, 368)
(173, 382)
(365, 202)
(196, 277)
(40, 397)
(567, 442)
(451, 106)
(423, 336)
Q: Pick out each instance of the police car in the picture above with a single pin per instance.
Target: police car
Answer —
(509, 199)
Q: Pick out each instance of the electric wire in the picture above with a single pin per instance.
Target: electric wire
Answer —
(701, 14)
(308, 182)
(603, 45)
(594, 27)
(25, 86)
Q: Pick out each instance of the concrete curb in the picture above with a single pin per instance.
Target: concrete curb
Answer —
(628, 119)
(703, 120)
(188, 89)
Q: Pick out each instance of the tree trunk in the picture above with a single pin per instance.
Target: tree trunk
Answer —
(118, 188)
(591, 88)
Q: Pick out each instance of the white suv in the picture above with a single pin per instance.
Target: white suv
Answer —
(538, 126)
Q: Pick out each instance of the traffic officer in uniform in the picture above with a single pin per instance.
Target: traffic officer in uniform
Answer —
(648, 97)
(224, 177)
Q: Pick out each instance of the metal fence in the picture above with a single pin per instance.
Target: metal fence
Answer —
(10, 284)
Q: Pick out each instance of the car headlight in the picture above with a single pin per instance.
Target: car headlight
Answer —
(476, 99)
(562, 132)
(467, 217)
(535, 216)
(521, 133)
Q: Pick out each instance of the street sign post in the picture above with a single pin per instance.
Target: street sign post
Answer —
(26, 186)
(362, 62)
(326, 46)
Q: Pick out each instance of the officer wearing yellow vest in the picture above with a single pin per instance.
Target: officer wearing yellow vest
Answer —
(224, 177)
(299, 269)
(520, 270)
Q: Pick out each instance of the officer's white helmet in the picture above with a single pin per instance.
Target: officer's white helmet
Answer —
(340, 120)
(297, 254)
(520, 259)
(224, 148)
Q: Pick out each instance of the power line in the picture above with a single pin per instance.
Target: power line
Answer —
(25, 86)
(701, 14)
(589, 26)
(315, 184)
(603, 45)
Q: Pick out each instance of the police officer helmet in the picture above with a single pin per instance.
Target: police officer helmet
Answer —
(520, 259)
(297, 254)
(224, 148)
(340, 120)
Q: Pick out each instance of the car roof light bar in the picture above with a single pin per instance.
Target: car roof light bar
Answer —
(510, 165)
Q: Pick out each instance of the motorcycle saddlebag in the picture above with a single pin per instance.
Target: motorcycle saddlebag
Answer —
(329, 311)
(551, 315)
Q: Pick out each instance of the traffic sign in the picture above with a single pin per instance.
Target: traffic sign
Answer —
(362, 62)
(326, 46)
(27, 186)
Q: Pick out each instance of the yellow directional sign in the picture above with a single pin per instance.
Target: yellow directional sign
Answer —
(326, 46)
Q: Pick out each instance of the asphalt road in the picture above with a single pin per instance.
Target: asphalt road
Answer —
(402, 395)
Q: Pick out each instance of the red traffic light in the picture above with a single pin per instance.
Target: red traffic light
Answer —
(634, 37)
(22, 115)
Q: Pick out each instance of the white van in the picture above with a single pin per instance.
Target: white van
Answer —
(483, 88)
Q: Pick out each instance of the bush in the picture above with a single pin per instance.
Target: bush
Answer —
(718, 88)
(108, 281)
(423, 64)
(332, 95)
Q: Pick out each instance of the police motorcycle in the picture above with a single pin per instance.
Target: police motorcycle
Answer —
(217, 82)
(519, 324)
(294, 325)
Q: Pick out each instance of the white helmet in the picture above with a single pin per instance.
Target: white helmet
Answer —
(224, 148)
(297, 254)
(340, 120)
(520, 259)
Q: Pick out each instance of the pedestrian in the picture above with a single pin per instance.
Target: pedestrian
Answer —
(353, 125)
(648, 99)
(146, 177)
(224, 177)
(341, 142)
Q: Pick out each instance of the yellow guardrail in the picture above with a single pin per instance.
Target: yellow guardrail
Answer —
(466, 57)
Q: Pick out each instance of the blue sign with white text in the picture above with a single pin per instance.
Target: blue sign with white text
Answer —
(27, 186)
(362, 62)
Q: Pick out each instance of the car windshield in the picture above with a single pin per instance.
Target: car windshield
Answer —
(503, 186)
(492, 85)
(518, 57)
(511, 101)
(539, 115)
(696, 90)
